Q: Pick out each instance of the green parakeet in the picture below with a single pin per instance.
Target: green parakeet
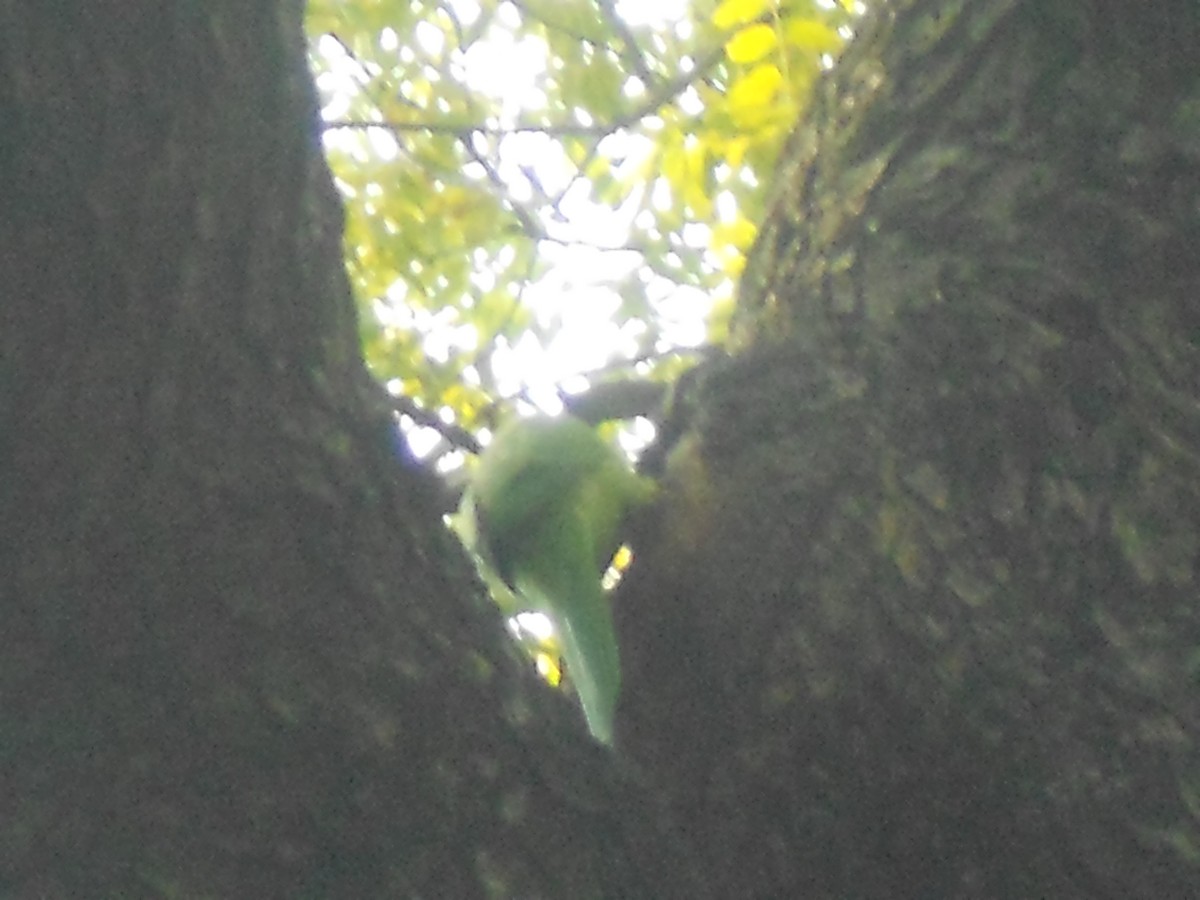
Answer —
(545, 502)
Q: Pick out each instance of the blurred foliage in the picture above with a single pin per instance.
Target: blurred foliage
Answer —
(515, 170)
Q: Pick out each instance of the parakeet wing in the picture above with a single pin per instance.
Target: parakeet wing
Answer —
(531, 467)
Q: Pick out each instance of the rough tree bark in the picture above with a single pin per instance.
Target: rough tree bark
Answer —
(240, 655)
(919, 616)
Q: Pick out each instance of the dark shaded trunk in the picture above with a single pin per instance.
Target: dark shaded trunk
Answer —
(919, 616)
(241, 655)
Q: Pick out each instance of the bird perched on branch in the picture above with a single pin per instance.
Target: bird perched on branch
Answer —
(543, 510)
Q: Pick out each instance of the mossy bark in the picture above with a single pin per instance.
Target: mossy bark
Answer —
(918, 614)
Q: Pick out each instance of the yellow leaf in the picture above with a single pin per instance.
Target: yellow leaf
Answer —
(751, 44)
(674, 164)
(757, 89)
(622, 558)
(812, 36)
(548, 668)
(697, 200)
(732, 260)
(735, 151)
(739, 233)
(735, 12)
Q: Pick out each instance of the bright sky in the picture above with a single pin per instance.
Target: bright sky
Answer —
(574, 296)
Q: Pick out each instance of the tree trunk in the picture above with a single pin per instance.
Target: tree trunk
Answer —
(241, 655)
(918, 616)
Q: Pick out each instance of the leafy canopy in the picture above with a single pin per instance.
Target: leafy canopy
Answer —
(519, 174)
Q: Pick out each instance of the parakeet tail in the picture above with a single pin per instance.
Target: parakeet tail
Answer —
(589, 645)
